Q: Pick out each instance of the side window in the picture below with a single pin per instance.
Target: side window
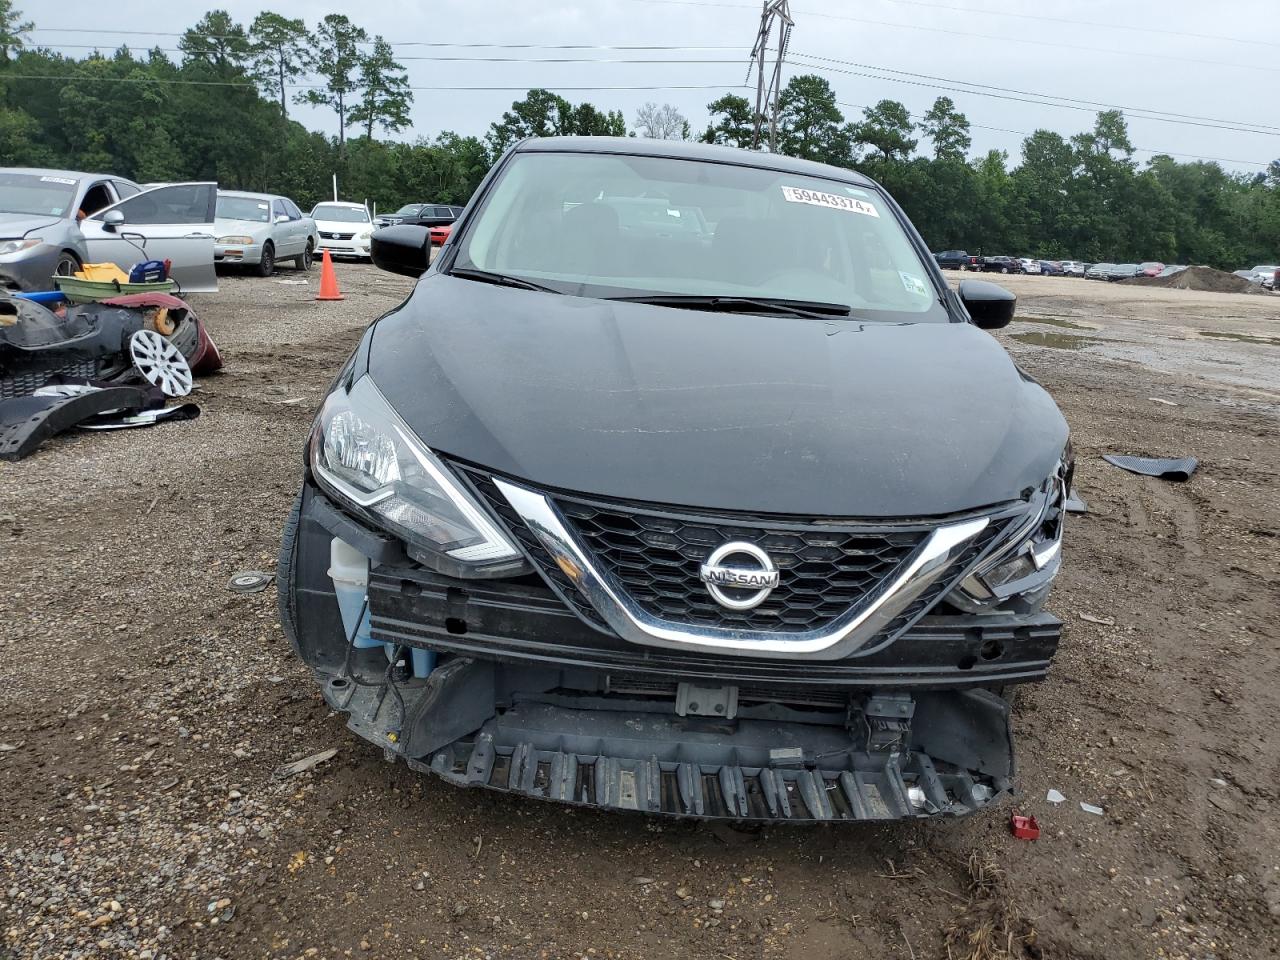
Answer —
(180, 203)
(97, 197)
(278, 210)
(124, 189)
(291, 208)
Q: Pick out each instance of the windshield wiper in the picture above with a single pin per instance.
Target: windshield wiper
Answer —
(498, 279)
(815, 309)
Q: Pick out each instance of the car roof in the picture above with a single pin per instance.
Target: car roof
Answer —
(340, 203)
(682, 150)
(69, 174)
(250, 196)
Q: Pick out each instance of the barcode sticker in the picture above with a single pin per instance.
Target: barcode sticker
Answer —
(832, 201)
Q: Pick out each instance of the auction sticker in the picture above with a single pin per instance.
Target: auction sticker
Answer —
(63, 180)
(832, 200)
(913, 284)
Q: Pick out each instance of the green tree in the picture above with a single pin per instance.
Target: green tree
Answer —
(281, 52)
(810, 125)
(540, 114)
(732, 121)
(336, 46)
(12, 28)
(586, 120)
(385, 96)
(947, 128)
(218, 42)
(19, 134)
(886, 127)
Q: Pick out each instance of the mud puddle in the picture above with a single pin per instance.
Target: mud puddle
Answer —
(1055, 341)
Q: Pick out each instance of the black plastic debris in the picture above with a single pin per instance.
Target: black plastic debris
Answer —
(26, 422)
(249, 581)
(1170, 469)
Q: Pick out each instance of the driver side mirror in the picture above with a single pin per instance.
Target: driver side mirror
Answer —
(281, 218)
(113, 219)
(402, 249)
(990, 305)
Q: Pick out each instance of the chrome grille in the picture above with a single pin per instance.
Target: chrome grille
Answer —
(824, 571)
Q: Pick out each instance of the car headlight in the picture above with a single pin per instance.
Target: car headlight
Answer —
(239, 241)
(1022, 567)
(16, 246)
(364, 235)
(366, 457)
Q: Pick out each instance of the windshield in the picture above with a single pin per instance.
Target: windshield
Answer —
(408, 210)
(244, 208)
(336, 214)
(50, 196)
(626, 226)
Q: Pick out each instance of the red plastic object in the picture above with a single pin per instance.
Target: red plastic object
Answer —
(1024, 828)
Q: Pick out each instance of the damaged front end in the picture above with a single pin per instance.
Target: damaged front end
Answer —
(504, 683)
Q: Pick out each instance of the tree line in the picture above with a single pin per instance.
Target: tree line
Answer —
(220, 110)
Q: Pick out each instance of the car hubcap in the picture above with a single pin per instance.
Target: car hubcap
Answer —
(160, 363)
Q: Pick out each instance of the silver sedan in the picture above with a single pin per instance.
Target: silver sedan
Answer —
(261, 229)
(53, 221)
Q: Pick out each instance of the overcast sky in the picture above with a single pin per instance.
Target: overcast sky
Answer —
(1165, 55)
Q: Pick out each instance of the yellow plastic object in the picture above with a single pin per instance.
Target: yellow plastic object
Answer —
(102, 272)
(162, 324)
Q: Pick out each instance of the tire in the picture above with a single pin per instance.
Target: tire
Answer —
(68, 264)
(306, 258)
(286, 600)
(1004, 269)
(267, 265)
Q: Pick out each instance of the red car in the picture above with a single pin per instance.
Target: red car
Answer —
(1150, 269)
(440, 234)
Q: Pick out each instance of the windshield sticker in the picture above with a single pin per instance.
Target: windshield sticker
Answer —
(914, 285)
(262, 206)
(62, 180)
(831, 200)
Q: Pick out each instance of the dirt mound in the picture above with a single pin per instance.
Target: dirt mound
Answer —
(1201, 278)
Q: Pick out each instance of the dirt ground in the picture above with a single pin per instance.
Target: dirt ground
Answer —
(146, 707)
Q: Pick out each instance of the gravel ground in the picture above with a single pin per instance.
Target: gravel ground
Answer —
(148, 709)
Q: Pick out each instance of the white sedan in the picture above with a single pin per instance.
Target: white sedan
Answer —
(345, 228)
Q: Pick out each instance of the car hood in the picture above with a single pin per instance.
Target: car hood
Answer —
(781, 415)
(225, 226)
(14, 225)
(341, 226)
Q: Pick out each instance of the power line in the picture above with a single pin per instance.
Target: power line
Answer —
(1041, 103)
(399, 43)
(1028, 133)
(474, 59)
(951, 32)
(1262, 127)
(320, 86)
(1144, 29)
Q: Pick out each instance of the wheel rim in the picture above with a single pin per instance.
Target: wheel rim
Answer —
(160, 363)
(66, 267)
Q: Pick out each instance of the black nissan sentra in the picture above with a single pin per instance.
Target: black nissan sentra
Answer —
(683, 484)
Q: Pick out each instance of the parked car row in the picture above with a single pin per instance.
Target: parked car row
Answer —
(438, 218)
(1266, 274)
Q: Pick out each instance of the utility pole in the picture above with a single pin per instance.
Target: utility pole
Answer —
(775, 13)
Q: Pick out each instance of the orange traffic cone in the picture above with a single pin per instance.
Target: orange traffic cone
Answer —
(328, 281)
